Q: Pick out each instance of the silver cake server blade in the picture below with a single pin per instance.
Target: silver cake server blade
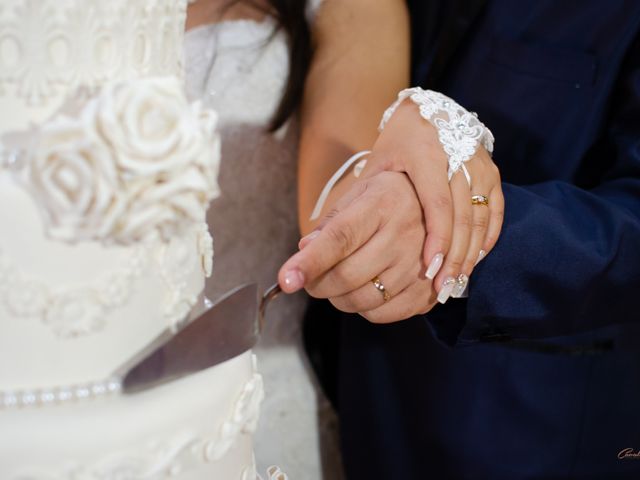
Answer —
(220, 332)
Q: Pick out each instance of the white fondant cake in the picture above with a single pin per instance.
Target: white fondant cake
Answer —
(105, 176)
(196, 428)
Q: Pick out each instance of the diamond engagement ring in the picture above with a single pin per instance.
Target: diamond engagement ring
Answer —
(480, 200)
(378, 284)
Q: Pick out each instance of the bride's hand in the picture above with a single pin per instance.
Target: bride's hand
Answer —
(373, 224)
(373, 231)
(459, 234)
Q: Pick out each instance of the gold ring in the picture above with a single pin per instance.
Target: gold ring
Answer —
(480, 200)
(378, 284)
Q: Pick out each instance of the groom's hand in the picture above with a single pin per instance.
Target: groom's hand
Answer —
(375, 231)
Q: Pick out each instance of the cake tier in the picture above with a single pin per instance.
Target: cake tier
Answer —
(73, 313)
(50, 48)
(194, 428)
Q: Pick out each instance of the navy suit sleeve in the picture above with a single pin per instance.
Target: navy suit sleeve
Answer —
(568, 259)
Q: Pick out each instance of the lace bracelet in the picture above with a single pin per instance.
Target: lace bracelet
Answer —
(459, 131)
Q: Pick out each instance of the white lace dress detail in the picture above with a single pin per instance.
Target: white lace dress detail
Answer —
(239, 69)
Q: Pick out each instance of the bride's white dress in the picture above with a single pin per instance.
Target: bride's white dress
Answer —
(239, 69)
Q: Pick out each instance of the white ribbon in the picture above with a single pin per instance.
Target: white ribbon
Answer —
(333, 180)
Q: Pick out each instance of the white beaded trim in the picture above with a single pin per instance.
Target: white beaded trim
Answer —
(460, 132)
(50, 396)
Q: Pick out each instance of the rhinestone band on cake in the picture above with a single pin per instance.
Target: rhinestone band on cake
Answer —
(50, 396)
(11, 158)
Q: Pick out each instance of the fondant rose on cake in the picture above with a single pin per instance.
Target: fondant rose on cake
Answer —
(136, 160)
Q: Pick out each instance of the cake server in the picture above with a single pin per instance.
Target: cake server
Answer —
(218, 333)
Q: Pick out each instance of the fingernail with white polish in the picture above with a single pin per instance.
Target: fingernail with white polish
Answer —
(481, 255)
(357, 170)
(460, 286)
(447, 288)
(293, 280)
(304, 241)
(434, 266)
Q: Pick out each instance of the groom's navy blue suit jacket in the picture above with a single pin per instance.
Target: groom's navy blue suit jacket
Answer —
(537, 374)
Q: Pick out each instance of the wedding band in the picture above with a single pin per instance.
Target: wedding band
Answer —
(480, 200)
(378, 284)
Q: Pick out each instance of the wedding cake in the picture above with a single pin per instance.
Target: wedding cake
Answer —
(106, 172)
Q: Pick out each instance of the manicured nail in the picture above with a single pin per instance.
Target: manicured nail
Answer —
(306, 240)
(447, 288)
(434, 266)
(293, 280)
(481, 255)
(357, 170)
(460, 286)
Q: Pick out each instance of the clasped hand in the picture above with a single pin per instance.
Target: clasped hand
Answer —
(403, 224)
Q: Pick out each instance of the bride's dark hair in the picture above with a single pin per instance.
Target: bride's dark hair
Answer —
(290, 16)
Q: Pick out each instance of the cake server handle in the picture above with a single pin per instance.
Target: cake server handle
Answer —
(272, 292)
